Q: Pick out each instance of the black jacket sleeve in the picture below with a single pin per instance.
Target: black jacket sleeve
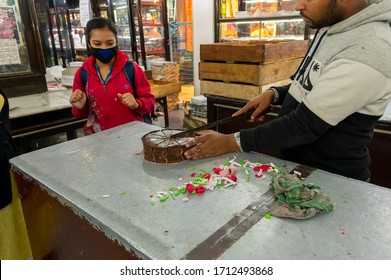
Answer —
(299, 127)
(282, 91)
(7, 151)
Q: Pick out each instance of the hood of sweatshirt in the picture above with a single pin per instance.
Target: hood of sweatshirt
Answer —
(378, 10)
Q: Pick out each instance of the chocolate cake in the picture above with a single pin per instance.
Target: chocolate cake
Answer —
(161, 148)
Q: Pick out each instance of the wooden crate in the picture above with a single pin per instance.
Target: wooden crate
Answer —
(164, 88)
(254, 74)
(165, 71)
(239, 91)
(259, 52)
(148, 74)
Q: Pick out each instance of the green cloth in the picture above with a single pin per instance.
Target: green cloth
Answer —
(297, 199)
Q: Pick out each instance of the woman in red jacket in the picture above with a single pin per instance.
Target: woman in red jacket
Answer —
(108, 98)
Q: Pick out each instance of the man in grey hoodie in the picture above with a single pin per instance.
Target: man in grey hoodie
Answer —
(340, 90)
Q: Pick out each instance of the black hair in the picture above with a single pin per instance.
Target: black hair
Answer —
(99, 23)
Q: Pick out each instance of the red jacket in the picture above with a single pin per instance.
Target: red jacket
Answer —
(103, 109)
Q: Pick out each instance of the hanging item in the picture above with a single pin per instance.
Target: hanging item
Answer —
(85, 12)
(189, 27)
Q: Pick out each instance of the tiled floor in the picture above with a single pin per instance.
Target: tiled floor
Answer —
(187, 92)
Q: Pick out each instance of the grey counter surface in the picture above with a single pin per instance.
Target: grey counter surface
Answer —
(33, 104)
(104, 179)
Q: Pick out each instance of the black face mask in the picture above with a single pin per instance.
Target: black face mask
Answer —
(104, 55)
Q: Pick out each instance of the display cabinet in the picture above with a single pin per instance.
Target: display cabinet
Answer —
(63, 36)
(142, 29)
(57, 25)
(62, 31)
(102, 8)
(45, 27)
(22, 68)
(151, 31)
(77, 31)
(239, 20)
(123, 18)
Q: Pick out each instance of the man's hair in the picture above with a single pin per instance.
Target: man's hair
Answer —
(99, 23)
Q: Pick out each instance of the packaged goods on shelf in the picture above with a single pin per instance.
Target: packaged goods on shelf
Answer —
(199, 100)
(190, 120)
(198, 106)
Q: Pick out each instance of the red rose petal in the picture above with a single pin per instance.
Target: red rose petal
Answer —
(257, 168)
(265, 167)
(233, 177)
(200, 189)
(190, 188)
(217, 170)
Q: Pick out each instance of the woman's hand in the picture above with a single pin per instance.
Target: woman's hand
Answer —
(210, 143)
(78, 99)
(258, 105)
(128, 100)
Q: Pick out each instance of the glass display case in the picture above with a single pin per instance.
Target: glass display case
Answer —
(239, 20)
(45, 27)
(63, 36)
(123, 22)
(62, 31)
(151, 31)
(103, 8)
(21, 61)
(77, 31)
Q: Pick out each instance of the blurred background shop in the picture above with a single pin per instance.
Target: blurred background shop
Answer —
(42, 43)
(165, 25)
(46, 33)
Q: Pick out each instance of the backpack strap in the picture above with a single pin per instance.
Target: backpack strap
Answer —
(129, 73)
(83, 75)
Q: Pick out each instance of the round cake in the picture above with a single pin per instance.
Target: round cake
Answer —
(160, 147)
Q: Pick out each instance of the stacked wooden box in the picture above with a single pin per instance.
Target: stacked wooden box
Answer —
(244, 70)
(167, 71)
(164, 88)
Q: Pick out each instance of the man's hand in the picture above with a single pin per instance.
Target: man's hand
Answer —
(78, 99)
(128, 100)
(210, 143)
(258, 105)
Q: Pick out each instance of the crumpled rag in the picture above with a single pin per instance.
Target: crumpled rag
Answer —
(297, 199)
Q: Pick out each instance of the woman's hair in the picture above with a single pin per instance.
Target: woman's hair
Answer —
(99, 23)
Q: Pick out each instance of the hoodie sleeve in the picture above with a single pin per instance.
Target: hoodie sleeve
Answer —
(299, 127)
(282, 91)
(78, 84)
(146, 99)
